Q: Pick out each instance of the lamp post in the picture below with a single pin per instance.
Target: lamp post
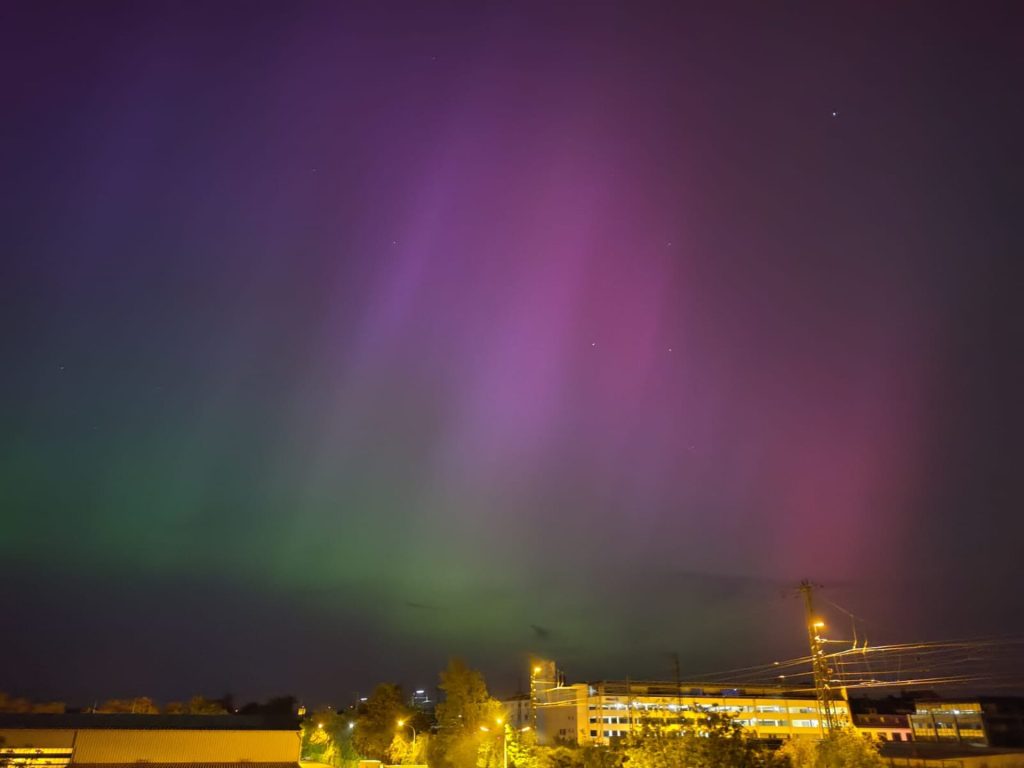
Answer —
(403, 724)
(504, 738)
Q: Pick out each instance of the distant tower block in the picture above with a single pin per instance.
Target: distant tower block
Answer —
(543, 677)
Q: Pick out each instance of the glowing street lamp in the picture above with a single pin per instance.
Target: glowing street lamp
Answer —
(500, 722)
(403, 724)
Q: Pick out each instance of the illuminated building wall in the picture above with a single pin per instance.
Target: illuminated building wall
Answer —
(989, 721)
(598, 713)
(517, 711)
(884, 727)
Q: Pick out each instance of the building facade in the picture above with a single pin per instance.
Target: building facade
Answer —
(602, 712)
(518, 711)
(884, 727)
(986, 721)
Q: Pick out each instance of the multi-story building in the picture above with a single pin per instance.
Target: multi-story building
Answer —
(986, 721)
(518, 711)
(601, 712)
(883, 726)
(421, 701)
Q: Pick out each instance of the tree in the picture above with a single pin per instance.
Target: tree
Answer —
(404, 751)
(522, 748)
(197, 705)
(560, 756)
(843, 748)
(377, 724)
(140, 706)
(14, 704)
(327, 738)
(601, 757)
(799, 753)
(524, 752)
(467, 708)
(712, 741)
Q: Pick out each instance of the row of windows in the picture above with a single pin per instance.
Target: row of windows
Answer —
(709, 708)
(956, 709)
(33, 757)
(752, 722)
(896, 736)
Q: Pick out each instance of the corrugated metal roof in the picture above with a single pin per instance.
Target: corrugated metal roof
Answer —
(145, 764)
(154, 722)
(119, 745)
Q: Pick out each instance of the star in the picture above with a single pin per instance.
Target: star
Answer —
(835, 114)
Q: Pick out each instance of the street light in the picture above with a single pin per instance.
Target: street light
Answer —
(500, 721)
(403, 724)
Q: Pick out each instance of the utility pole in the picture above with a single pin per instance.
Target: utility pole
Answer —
(679, 690)
(535, 670)
(827, 719)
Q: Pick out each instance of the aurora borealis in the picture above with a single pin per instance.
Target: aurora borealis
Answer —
(342, 337)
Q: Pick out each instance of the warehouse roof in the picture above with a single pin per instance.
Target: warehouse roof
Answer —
(151, 722)
(246, 764)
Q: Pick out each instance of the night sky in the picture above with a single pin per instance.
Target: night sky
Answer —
(338, 338)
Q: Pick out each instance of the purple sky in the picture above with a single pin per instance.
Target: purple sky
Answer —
(388, 331)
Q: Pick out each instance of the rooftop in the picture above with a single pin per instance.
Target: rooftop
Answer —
(88, 721)
(724, 690)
